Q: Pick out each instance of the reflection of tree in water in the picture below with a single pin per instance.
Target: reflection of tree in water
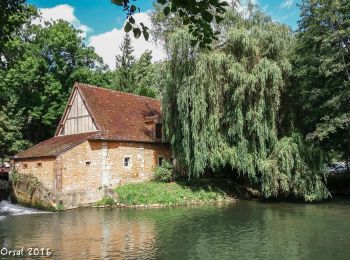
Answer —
(252, 230)
(247, 230)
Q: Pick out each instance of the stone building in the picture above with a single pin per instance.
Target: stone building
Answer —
(105, 138)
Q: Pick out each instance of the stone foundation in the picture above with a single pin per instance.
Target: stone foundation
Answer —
(28, 191)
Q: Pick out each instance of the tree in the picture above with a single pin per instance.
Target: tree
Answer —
(13, 14)
(48, 60)
(145, 76)
(322, 73)
(197, 14)
(11, 138)
(124, 62)
(222, 108)
(135, 76)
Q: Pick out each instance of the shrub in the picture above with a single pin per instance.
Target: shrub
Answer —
(59, 207)
(106, 201)
(164, 173)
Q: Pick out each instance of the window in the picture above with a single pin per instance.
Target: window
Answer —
(159, 131)
(39, 164)
(127, 162)
(160, 160)
(87, 163)
(25, 166)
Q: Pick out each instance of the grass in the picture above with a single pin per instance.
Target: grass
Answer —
(174, 193)
(106, 201)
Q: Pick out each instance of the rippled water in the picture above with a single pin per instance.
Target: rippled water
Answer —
(245, 230)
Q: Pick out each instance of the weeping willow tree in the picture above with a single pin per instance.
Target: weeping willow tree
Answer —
(222, 108)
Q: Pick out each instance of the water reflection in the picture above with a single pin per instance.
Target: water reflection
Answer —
(246, 230)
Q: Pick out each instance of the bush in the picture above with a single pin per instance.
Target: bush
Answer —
(106, 201)
(164, 173)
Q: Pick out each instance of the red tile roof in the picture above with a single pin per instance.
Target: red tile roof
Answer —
(54, 146)
(118, 115)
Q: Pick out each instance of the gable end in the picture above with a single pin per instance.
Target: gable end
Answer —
(76, 118)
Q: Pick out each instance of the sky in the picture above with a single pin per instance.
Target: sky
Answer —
(102, 22)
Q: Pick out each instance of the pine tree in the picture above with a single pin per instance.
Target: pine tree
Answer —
(123, 79)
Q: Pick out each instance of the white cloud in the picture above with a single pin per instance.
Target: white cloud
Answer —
(242, 7)
(64, 12)
(287, 4)
(107, 44)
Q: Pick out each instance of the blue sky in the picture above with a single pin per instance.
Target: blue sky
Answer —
(102, 22)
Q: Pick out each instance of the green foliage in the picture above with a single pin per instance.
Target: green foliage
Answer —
(13, 15)
(197, 14)
(222, 108)
(148, 193)
(123, 79)
(136, 76)
(44, 63)
(164, 173)
(106, 201)
(322, 73)
(11, 123)
(294, 168)
(59, 207)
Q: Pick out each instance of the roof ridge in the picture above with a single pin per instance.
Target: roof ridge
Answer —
(78, 84)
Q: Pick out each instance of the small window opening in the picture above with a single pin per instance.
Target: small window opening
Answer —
(127, 162)
(39, 164)
(160, 161)
(25, 166)
(159, 130)
(87, 163)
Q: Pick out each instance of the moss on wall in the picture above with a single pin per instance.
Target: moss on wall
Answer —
(27, 190)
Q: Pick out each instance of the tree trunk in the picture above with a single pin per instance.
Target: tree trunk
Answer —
(347, 161)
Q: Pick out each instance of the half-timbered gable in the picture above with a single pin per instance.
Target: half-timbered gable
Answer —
(76, 118)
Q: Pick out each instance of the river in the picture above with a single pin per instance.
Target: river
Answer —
(244, 230)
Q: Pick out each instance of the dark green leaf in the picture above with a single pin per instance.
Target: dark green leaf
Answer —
(132, 20)
(127, 27)
(161, 2)
(133, 8)
(118, 2)
(146, 35)
(137, 32)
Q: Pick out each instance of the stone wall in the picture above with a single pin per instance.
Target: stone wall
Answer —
(92, 169)
(41, 168)
(88, 172)
(28, 190)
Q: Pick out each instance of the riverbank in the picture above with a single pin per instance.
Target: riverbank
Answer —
(179, 193)
(339, 184)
